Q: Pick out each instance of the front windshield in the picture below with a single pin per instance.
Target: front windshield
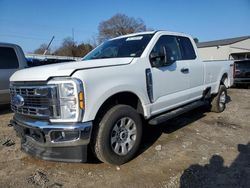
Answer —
(123, 47)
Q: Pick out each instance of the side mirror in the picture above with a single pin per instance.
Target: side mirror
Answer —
(155, 59)
(159, 59)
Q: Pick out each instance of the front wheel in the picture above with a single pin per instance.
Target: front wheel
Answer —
(117, 137)
(218, 103)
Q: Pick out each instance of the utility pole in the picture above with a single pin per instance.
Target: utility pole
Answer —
(73, 34)
(48, 45)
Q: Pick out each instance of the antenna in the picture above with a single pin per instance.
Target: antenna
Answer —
(44, 53)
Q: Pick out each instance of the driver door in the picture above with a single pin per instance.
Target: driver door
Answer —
(170, 80)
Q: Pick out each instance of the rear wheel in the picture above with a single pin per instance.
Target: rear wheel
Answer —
(218, 103)
(118, 135)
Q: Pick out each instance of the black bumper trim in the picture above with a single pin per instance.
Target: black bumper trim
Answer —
(62, 154)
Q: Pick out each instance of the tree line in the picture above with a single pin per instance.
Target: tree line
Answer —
(119, 24)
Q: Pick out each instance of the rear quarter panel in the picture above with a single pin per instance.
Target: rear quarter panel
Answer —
(214, 71)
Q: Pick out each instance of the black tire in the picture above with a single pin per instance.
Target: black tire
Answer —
(217, 104)
(104, 131)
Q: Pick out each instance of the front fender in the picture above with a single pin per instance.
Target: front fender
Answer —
(100, 84)
(93, 108)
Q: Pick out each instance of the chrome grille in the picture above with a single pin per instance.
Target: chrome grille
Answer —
(39, 101)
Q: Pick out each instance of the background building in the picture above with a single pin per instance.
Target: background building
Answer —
(233, 48)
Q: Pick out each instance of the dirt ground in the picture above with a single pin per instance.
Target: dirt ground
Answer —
(197, 149)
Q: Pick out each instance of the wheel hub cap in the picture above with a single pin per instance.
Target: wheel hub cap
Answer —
(123, 136)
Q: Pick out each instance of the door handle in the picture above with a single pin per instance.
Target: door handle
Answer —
(185, 70)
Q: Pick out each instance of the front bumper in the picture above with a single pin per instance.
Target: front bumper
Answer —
(58, 142)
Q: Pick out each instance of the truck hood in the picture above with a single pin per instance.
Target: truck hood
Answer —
(42, 73)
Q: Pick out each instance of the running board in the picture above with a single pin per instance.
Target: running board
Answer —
(171, 114)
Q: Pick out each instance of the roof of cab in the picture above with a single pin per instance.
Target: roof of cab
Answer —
(152, 32)
(5, 44)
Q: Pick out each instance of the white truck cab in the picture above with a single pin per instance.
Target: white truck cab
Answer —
(101, 100)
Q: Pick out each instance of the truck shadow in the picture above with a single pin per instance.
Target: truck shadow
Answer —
(215, 174)
(243, 86)
(153, 132)
(5, 109)
(228, 99)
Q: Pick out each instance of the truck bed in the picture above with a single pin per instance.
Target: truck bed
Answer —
(213, 69)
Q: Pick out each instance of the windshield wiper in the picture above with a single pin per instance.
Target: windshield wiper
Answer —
(102, 57)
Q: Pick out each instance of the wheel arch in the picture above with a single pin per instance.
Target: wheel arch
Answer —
(121, 97)
(224, 80)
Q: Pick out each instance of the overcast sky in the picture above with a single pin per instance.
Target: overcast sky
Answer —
(30, 23)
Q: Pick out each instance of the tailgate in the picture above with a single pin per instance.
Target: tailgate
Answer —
(242, 69)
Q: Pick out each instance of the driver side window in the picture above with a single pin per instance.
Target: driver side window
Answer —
(166, 45)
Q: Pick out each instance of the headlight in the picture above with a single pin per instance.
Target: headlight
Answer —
(70, 99)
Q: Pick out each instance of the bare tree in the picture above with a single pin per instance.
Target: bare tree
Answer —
(71, 48)
(93, 40)
(119, 24)
(82, 49)
(41, 49)
(67, 47)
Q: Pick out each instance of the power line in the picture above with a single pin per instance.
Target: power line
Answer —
(24, 37)
(43, 27)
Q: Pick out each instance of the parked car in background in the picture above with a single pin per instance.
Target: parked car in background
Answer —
(11, 59)
(33, 62)
(242, 72)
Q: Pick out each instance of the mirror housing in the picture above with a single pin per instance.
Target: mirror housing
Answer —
(155, 59)
(159, 59)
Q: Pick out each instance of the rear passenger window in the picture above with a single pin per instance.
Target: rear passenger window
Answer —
(187, 49)
(8, 58)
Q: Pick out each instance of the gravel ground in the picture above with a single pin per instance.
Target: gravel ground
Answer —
(197, 149)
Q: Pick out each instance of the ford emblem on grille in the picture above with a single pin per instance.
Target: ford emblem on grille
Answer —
(18, 100)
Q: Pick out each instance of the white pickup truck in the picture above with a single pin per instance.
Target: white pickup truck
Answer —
(100, 102)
